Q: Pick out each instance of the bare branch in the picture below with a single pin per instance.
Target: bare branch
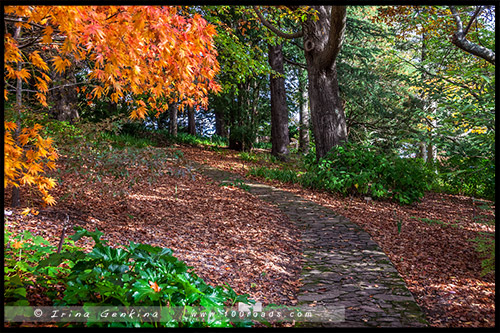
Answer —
(459, 40)
(472, 19)
(291, 62)
(271, 27)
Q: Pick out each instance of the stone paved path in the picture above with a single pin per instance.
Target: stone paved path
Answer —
(345, 270)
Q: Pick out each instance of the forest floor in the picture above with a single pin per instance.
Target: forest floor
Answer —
(229, 236)
(432, 252)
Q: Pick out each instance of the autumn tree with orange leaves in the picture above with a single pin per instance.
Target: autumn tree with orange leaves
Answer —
(127, 50)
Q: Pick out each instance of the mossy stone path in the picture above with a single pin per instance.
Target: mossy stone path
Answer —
(344, 268)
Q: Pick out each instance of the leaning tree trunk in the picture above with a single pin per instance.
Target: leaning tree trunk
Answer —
(279, 112)
(322, 42)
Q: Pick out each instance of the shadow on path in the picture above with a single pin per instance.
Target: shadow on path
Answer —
(345, 271)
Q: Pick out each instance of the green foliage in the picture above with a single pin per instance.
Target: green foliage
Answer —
(127, 140)
(243, 137)
(286, 176)
(262, 145)
(195, 140)
(248, 157)
(24, 258)
(361, 169)
(485, 245)
(356, 168)
(236, 183)
(467, 176)
(137, 274)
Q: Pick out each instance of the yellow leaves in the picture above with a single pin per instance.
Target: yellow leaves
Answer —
(10, 126)
(37, 61)
(25, 160)
(47, 35)
(153, 49)
(479, 130)
(49, 200)
(11, 51)
(23, 74)
(97, 92)
(34, 169)
(60, 64)
(424, 127)
(28, 210)
(27, 180)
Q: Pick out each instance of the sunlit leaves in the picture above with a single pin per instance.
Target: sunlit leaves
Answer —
(60, 64)
(25, 160)
(131, 49)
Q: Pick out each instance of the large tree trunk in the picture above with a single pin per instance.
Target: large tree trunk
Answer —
(191, 121)
(323, 38)
(303, 116)
(327, 113)
(322, 42)
(279, 112)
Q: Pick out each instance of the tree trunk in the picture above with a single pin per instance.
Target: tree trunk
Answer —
(172, 125)
(64, 97)
(279, 113)
(303, 116)
(322, 42)
(220, 124)
(191, 121)
(323, 39)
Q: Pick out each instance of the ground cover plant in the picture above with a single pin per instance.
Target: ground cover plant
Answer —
(136, 274)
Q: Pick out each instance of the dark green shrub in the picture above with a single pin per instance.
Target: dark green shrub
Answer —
(467, 176)
(355, 168)
(134, 275)
(241, 138)
(359, 169)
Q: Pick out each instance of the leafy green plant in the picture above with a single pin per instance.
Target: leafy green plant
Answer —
(485, 245)
(133, 275)
(285, 175)
(236, 183)
(24, 255)
(248, 157)
(358, 169)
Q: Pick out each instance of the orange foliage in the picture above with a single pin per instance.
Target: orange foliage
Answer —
(131, 49)
(26, 160)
